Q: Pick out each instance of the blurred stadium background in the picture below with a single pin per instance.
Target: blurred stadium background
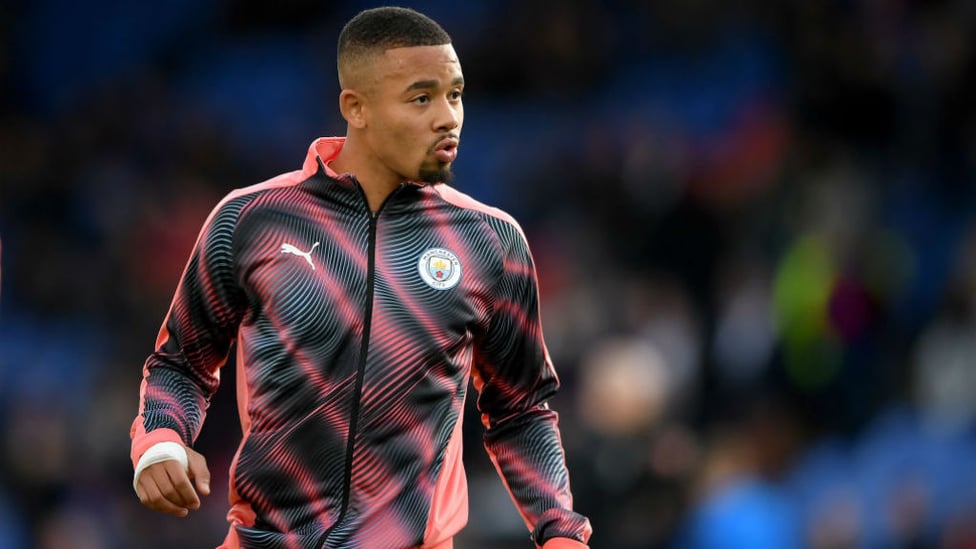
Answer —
(753, 223)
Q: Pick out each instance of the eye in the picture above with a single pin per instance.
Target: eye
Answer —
(456, 95)
(421, 99)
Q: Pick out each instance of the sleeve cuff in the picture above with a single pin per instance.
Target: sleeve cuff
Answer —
(142, 443)
(564, 543)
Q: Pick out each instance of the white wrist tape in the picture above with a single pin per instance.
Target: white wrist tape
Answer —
(161, 451)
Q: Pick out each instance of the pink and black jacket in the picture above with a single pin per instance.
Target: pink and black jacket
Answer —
(356, 336)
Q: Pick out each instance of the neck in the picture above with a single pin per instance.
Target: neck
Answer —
(376, 180)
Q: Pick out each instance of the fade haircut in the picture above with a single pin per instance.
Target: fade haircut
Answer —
(379, 29)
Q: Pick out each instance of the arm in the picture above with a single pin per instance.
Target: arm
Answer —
(514, 377)
(182, 374)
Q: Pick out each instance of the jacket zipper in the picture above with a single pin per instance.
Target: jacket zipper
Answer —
(364, 350)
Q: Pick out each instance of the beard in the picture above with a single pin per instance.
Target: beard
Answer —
(440, 174)
(432, 170)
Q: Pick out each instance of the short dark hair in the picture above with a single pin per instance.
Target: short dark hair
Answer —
(387, 28)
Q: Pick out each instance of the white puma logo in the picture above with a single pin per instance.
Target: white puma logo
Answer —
(289, 249)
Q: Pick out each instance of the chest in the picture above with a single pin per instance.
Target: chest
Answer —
(327, 273)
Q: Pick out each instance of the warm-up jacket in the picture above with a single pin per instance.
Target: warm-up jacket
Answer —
(356, 336)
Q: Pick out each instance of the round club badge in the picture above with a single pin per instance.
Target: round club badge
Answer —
(439, 268)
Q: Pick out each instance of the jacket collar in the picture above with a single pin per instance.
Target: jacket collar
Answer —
(325, 148)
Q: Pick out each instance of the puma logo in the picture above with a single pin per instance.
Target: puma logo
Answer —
(289, 249)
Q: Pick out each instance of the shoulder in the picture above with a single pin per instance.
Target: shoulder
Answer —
(502, 223)
(232, 204)
(276, 185)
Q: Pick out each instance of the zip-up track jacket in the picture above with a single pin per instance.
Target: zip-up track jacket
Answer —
(357, 334)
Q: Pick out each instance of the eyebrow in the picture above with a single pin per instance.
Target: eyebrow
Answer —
(428, 84)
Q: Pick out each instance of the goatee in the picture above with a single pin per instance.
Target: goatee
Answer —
(440, 175)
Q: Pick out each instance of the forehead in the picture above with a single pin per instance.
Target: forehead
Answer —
(420, 63)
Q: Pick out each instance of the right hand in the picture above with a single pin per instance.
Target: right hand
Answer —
(166, 487)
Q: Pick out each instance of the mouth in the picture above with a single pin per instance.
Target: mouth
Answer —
(446, 149)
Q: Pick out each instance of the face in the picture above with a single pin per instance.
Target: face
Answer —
(414, 112)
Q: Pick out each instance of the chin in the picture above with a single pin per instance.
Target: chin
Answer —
(440, 174)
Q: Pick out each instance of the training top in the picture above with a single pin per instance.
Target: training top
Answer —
(356, 335)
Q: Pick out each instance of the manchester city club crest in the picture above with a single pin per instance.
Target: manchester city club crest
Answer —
(439, 268)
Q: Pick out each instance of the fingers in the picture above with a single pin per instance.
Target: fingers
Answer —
(182, 492)
(199, 472)
(152, 496)
(165, 487)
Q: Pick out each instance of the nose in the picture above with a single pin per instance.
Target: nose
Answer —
(449, 117)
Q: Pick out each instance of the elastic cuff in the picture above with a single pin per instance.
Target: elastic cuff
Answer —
(145, 441)
(564, 543)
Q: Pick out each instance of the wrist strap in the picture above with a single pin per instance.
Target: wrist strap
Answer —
(159, 452)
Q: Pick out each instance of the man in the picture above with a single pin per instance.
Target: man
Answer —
(362, 293)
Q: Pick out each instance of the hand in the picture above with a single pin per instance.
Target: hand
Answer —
(165, 486)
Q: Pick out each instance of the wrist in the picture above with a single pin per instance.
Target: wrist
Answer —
(142, 441)
(564, 543)
(157, 453)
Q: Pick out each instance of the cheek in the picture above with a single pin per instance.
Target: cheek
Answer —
(403, 150)
(391, 136)
(396, 131)
(402, 144)
(409, 140)
(399, 139)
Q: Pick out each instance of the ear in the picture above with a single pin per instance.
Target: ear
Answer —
(352, 105)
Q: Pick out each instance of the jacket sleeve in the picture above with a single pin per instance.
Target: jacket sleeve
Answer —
(182, 374)
(514, 377)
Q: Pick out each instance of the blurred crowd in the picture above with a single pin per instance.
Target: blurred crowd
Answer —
(753, 223)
